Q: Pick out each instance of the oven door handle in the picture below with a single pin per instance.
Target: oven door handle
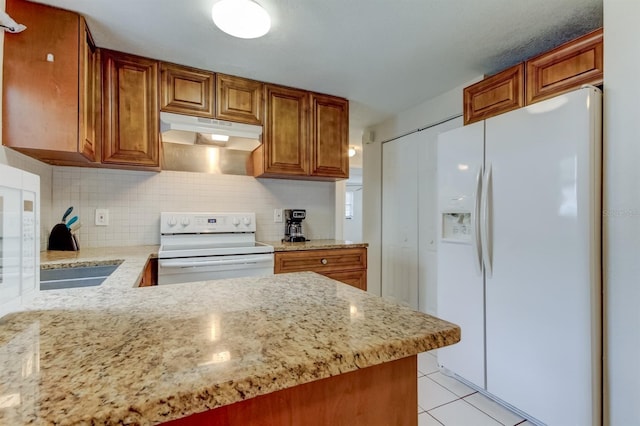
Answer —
(190, 263)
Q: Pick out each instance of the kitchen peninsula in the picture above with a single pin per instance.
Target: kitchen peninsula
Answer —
(284, 349)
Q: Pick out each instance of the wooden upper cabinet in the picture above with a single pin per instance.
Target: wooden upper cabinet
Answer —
(130, 111)
(494, 95)
(186, 90)
(566, 68)
(329, 136)
(305, 136)
(49, 79)
(285, 144)
(239, 99)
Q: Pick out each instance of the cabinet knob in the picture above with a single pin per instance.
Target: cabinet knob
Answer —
(324, 261)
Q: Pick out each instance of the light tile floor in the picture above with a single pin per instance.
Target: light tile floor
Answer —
(443, 400)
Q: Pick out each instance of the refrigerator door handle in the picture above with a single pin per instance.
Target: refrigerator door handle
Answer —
(486, 220)
(477, 239)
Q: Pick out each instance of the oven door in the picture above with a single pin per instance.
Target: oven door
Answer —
(188, 269)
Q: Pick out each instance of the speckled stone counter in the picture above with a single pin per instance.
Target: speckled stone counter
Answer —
(121, 355)
(314, 245)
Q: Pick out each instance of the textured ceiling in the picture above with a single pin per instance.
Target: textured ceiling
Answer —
(383, 55)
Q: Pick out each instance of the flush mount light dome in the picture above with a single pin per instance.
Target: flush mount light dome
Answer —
(241, 18)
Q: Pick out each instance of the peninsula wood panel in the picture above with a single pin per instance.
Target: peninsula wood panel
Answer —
(239, 99)
(48, 72)
(329, 136)
(185, 90)
(566, 68)
(494, 95)
(131, 122)
(381, 395)
(357, 279)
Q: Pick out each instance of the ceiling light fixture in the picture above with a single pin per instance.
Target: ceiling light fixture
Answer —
(241, 18)
(352, 152)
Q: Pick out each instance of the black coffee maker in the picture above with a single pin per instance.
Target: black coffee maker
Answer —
(293, 225)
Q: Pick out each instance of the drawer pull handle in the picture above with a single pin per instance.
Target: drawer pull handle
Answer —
(324, 261)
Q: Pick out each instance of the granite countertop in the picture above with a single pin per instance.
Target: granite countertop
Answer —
(131, 260)
(314, 245)
(115, 354)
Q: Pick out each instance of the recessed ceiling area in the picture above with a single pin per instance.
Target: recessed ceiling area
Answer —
(385, 56)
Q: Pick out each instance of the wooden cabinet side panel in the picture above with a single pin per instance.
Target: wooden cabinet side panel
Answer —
(186, 90)
(286, 131)
(37, 90)
(131, 129)
(239, 99)
(566, 68)
(494, 95)
(89, 94)
(329, 136)
(381, 395)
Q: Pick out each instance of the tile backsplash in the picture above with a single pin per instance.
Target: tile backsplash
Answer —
(135, 199)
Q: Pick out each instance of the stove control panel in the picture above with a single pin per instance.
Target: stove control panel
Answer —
(206, 223)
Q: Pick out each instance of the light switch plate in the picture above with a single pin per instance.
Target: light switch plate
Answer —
(102, 217)
(277, 215)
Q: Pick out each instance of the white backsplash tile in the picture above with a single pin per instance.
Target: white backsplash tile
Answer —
(135, 200)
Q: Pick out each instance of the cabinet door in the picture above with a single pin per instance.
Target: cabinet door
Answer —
(494, 95)
(41, 83)
(239, 99)
(357, 279)
(131, 123)
(329, 136)
(286, 133)
(187, 90)
(566, 68)
(89, 94)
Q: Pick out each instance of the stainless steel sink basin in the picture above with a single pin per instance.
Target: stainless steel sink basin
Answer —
(84, 276)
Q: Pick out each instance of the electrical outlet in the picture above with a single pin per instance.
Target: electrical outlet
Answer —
(277, 215)
(102, 217)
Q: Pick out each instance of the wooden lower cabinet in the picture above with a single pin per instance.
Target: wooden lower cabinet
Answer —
(150, 274)
(381, 395)
(348, 265)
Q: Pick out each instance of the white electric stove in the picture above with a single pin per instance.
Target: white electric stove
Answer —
(208, 246)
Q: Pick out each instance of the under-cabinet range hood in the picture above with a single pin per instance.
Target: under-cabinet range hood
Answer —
(206, 145)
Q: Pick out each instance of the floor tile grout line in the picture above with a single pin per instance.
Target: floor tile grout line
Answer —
(489, 415)
(438, 421)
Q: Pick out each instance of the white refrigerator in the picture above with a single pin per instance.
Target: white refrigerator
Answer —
(519, 198)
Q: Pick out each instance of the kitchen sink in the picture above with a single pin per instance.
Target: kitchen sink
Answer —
(83, 276)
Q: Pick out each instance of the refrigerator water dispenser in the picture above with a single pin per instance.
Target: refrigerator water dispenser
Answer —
(456, 227)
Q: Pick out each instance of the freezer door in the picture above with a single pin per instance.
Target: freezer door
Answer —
(542, 299)
(460, 278)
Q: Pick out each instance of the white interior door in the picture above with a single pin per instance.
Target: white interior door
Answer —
(400, 220)
(542, 300)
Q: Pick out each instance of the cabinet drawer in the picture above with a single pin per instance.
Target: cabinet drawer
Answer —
(494, 95)
(358, 279)
(566, 68)
(322, 261)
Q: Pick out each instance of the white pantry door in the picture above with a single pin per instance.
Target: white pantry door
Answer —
(400, 220)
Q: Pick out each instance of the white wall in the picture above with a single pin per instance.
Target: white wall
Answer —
(621, 219)
(135, 200)
(428, 113)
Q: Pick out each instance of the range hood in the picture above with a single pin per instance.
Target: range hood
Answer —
(205, 145)
(208, 126)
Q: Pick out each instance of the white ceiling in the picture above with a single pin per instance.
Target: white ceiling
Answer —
(383, 55)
